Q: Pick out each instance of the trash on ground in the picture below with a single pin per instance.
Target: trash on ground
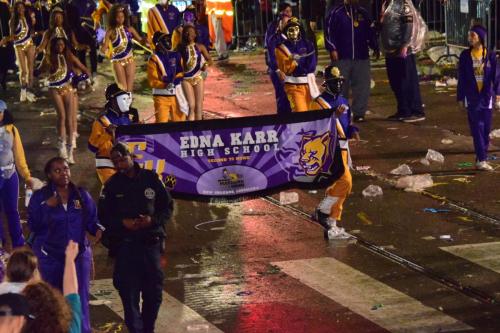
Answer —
(446, 238)
(97, 302)
(465, 218)
(377, 306)
(287, 198)
(425, 161)
(392, 128)
(363, 217)
(465, 164)
(463, 180)
(452, 82)
(363, 168)
(313, 192)
(415, 183)
(447, 141)
(492, 157)
(244, 293)
(428, 238)
(198, 328)
(402, 170)
(355, 231)
(436, 210)
(372, 191)
(495, 134)
(434, 156)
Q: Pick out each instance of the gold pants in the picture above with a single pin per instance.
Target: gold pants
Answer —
(166, 109)
(340, 189)
(104, 174)
(299, 96)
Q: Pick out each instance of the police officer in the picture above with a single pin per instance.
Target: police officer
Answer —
(134, 207)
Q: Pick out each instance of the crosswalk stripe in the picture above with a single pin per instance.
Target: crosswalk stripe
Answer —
(483, 254)
(359, 292)
(173, 317)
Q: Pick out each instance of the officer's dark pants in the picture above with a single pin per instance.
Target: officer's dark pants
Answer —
(282, 102)
(403, 78)
(137, 273)
(87, 39)
(8, 61)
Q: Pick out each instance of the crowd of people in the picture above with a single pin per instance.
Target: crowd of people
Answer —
(134, 205)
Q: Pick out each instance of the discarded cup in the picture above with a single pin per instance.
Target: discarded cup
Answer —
(447, 141)
(372, 191)
(434, 156)
(402, 170)
(415, 183)
(287, 198)
(363, 168)
(446, 238)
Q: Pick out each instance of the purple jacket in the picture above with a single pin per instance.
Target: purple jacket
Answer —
(467, 85)
(305, 49)
(272, 39)
(55, 226)
(342, 34)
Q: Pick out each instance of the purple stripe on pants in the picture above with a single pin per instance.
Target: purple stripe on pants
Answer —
(9, 194)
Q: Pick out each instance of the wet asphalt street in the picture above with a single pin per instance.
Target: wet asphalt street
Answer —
(417, 262)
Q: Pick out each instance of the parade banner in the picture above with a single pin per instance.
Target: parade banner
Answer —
(238, 157)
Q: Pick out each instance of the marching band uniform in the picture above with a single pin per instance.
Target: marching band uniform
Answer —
(122, 46)
(296, 58)
(162, 18)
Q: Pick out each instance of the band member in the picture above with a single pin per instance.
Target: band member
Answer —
(21, 25)
(195, 59)
(189, 18)
(117, 112)
(61, 79)
(119, 35)
(273, 38)
(329, 211)
(163, 17)
(297, 60)
(165, 76)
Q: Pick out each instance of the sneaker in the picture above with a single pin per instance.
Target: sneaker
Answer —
(61, 147)
(483, 165)
(71, 158)
(22, 97)
(413, 119)
(337, 233)
(359, 119)
(395, 117)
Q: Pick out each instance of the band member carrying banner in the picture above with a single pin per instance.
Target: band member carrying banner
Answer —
(165, 75)
(329, 211)
(296, 64)
(117, 112)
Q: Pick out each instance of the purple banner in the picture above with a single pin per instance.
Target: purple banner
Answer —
(239, 156)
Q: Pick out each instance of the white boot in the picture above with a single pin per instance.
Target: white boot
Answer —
(30, 97)
(71, 159)
(22, 97)
(61, 147)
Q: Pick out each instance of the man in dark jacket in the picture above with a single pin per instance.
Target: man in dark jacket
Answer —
(134, 207)
(6, 49)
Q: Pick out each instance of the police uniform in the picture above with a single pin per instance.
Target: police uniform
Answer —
(137, 266)
(164, 75)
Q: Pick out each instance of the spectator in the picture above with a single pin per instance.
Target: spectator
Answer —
(14, 313)
(22, 268)
(349, 33)
(53, 312)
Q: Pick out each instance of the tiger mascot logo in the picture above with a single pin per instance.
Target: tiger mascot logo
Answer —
(314, 152)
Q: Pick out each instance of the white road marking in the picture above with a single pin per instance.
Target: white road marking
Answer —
(484, 254)
(173, 317)
(359, 292)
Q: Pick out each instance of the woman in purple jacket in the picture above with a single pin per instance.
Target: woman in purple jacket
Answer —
(478, 83)
(58, 213)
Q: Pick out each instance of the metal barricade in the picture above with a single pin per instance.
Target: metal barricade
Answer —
(461, 15)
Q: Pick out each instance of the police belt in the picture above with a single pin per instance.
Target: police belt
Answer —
(163, 92)
(296, 79)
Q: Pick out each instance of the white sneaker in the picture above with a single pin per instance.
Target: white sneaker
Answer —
(30, 97)
(61, 147)
(331, 222)
(23, 96)
(71, 158)
(337, 233)
(483, 165)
